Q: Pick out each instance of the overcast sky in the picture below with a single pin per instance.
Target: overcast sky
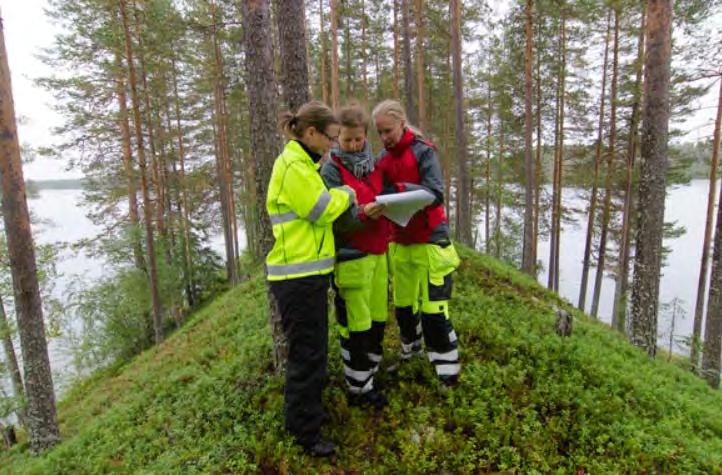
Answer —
(27, 31)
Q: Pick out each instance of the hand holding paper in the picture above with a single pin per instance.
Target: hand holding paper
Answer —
(401, 207)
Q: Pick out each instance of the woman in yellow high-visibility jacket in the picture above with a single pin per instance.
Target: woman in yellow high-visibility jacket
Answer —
(302, 211)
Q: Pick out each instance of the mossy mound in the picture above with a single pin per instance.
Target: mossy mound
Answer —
(529, 401)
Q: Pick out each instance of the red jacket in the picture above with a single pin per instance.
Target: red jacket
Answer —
(374, 236)
(410, 165)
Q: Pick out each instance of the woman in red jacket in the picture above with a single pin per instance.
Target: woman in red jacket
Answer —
(361, 275)
(421, 254)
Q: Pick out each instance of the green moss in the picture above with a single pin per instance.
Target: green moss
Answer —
(529, 402)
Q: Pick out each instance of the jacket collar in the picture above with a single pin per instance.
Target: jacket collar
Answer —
(407, 138)
(299, 148)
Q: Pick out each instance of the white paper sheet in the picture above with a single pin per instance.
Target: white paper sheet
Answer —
(401, 207)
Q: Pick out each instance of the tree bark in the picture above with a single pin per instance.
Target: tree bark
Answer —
(419, 21)
(322, 34)
(40, 410)
(411, 111)
(264, 141)
(223, 168)
(364, 54)
(499, 188)
(553, 277)
(11, 360)
(487, 193)
(653, 180)
(592, 211)
(528, 262)
(291, 18)
(128, 165)
(350, 89)
(611, 156)
(621, 287)
(155, 172)
(538, 164)
(560, 168)
(463, 208)
(713, 324)
(334, 54)
(702, 280)
(147, 204)
(183, 201)
(397, 50)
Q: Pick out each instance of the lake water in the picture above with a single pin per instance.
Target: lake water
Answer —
(64, 220)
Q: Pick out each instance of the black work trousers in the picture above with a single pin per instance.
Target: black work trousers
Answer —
(304, 312)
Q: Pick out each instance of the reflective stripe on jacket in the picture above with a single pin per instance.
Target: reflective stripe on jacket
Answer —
(302, 211)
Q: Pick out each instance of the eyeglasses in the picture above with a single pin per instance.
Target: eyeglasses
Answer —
(332, 139)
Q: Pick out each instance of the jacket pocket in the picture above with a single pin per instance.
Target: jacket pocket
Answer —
(353, 273)
(442, 262)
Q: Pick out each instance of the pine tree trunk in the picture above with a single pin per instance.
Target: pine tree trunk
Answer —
(40, 410)
(463, 208)
(713, 324)
(291, 20)
(611, 155)
(499, 189)
(538, 164)
(554, 235)
(419, 21)
(702, 280)
(487, 192)
(147, 205)
(591, 213)
(350, 87)
(397, 50)
(364, 55)
(324, 52)
(560, 168)
(11, 360)
(411, 111)
(653, 179)
(222, 154)
(334, 54)
(155, 172)
(621, 287)
(128, 165)
(183, 201)
(264, 142)
(528, 263)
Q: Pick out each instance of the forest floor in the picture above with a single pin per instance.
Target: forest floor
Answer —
(529, 401)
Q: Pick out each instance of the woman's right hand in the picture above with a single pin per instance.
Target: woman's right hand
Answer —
(374, 210)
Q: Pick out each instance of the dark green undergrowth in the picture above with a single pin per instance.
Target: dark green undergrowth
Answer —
(529, 401)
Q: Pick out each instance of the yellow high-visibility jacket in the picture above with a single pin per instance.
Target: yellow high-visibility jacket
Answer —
(302, 211)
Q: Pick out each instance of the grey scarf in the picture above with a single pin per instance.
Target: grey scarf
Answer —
(359, 163)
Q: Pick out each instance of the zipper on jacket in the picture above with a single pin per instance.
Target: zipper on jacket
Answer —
(320, 246)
